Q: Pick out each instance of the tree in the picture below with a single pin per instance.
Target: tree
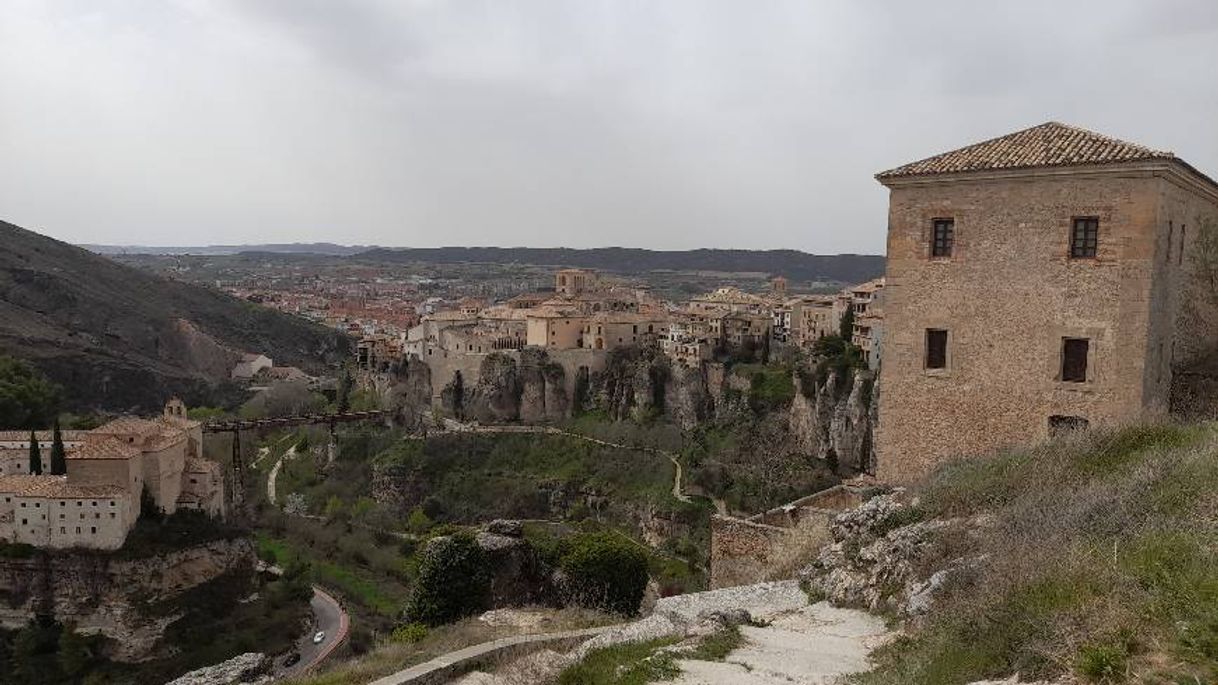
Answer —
(344, 391)
(35, 456)
(27, 399)
(607, 572)
(846, 327)
(59, 458)
(454, 581)
(74, 653)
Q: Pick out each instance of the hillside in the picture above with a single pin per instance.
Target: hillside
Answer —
(795, 265)
(119, 338)
(1092, 557)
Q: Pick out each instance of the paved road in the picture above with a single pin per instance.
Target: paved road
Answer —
(328, 616)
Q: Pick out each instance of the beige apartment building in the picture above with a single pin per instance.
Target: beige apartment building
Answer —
(1050, 279)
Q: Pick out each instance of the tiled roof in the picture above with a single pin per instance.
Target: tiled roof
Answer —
(55, 486)
(105, 448)
(44, 437)
(129, 425)
(1048, 145)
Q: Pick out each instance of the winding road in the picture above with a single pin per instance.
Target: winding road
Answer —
(328, 617)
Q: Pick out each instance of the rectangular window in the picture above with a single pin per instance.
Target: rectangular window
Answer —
(1074, 359)
(1183, 238)
(944, 238)
(1062, 425)
(1084, 239)
(936, 348)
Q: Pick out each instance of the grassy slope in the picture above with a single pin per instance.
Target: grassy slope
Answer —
(1102, 561)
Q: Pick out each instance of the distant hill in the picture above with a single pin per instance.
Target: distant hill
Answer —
(795, 265)
(120, 338)
(212, 250)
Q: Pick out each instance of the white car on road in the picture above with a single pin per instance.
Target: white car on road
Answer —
(319, 637)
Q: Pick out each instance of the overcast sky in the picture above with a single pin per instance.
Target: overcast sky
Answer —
(656, 123)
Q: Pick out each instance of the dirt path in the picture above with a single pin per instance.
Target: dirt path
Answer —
(271, 479)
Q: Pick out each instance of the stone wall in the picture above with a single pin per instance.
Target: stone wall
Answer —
(776, 543)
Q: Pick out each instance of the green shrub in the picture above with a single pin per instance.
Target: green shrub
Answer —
(606, 571)
(454, 581)
(634, 663)
(409, 633)
(1105, 663)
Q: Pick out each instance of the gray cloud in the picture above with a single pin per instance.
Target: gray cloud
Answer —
(519, 122)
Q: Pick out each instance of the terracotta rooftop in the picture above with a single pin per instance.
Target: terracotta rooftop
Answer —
(105, 448)
(1049, 145)
(55, 486)
(44, 437)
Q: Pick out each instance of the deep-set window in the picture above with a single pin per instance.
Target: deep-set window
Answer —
(1074, 359)
(1085, 237)
(1060, 425)
(944, 238)
(936, 348)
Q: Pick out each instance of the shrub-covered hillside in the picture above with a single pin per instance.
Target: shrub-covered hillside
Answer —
(1095, 555)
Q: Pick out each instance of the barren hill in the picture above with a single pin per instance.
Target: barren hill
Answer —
(119, 338)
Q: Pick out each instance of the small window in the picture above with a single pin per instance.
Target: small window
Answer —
(1183, 238)
(1084, 239)
(1074, 359)
(944, 238)
(936, 348)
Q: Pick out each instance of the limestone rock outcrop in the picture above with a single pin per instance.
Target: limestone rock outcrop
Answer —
(832, 424)
(250, 668)
(129, 601)
(872, 563)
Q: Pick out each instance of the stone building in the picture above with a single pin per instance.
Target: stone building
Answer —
(97, 502)
(1045, 280)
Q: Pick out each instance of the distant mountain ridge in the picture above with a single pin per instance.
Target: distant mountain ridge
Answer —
(119, 338)
(216, 250)
(793, 264)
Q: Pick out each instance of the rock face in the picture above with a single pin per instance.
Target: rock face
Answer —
(251, 667)
(519, 577)
(527, 387)
(832, 424)
(873, 563)
(129, 601)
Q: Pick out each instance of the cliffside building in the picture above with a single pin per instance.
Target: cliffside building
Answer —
(1045, 280)
(97, 502)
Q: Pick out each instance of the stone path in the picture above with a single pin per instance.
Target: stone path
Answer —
(441, 668)
(813, 645)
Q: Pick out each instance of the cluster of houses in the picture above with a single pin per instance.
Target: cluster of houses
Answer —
(588, 313)
(97, 502)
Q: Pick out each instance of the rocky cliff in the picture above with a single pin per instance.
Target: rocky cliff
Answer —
(833, 423)
(129, 601)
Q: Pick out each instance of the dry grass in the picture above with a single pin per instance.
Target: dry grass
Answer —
(1102, 561)
(389, 656)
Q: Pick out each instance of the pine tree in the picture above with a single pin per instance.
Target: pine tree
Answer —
(59, 457)
(35, 456)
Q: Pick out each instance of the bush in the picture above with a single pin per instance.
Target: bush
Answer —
(606, 571)
(27, 399)
(409, 633)
(454, 581)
